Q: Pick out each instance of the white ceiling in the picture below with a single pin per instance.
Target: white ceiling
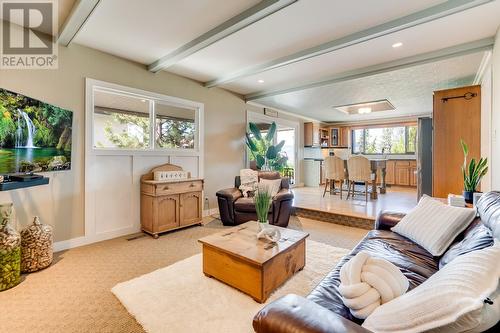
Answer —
(144, 31)
(409, 90)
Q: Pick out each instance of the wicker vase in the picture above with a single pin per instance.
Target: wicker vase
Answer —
(36, 246)
(10, 250)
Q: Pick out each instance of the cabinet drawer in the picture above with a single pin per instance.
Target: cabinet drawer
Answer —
(172, 188)
(402, 164)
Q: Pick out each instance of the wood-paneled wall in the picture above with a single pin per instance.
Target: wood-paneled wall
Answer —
(454, 119)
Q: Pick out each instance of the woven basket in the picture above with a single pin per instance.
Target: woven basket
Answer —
(36, 245)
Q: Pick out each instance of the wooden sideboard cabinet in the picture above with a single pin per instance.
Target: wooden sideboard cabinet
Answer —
(171, 204)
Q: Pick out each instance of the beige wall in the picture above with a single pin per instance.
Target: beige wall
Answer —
(495, 117)
(61, 203)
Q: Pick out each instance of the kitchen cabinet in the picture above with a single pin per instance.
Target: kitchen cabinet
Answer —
(311, 135)
(339, 136)
(413, 173)
(312, 172)
(399, 172)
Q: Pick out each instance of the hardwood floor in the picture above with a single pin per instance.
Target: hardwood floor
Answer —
(400, 199)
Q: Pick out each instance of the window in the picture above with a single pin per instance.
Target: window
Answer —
(384, 140)
(174, 127)
(120, 121)
(124, 120)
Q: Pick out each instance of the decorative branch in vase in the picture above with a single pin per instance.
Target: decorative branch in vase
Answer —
(472, 173)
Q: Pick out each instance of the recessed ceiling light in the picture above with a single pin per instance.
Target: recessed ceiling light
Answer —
(364, 110)
(260, 81)
(396, 45)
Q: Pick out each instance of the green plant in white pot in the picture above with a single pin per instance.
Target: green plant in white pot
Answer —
(472, 173)
(263, 201)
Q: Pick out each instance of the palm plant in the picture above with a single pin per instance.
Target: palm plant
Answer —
(262, 201)
(266, 155)
(473, 172)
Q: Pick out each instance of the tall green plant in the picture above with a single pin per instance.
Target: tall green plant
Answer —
(473, 172)
(262, 203)
(262, 149)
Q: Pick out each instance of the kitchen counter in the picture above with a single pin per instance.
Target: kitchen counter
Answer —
(313, 159)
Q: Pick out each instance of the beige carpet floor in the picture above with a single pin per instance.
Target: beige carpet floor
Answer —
(73, 295)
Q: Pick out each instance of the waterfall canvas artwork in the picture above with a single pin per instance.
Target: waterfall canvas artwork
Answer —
(34, 136)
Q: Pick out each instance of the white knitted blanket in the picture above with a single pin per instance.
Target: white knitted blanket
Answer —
(248, 181)
(367, 282)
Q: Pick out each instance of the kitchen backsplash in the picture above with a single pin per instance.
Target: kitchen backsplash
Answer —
(310, 152)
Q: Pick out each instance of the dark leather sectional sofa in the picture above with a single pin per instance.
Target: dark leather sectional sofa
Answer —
(322, 310)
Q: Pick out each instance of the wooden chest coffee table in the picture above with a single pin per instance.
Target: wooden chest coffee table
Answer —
(256, 267)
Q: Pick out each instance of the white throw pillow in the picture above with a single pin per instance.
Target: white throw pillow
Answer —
(451, 300)
(272, 185)
(434, 225)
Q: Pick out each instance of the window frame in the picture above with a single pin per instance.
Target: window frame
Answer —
(94, 85)
(364, 129)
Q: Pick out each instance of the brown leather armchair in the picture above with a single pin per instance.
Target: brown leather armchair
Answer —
(235, 209)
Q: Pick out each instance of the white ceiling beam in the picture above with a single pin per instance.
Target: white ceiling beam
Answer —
(450, 52)
(77, 18)
(427, 15)
(234, 24)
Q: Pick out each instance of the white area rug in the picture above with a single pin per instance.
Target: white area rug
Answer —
(179, 298)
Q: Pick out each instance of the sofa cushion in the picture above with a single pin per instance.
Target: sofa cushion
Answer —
(477, 238)
(247, 205)
(452, 300)
(414, 262)
(434, 225)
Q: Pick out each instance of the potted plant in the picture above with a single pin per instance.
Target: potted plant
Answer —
(472, 173)
(262, 201)
(268, 157)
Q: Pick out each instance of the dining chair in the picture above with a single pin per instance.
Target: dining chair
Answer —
(334, 171)
(359, 170)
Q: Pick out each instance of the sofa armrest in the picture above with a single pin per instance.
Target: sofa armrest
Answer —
(230, 194)
(283, 194)
(296, 314)
(386, 220)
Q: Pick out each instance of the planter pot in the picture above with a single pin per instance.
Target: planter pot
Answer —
(468, 196)
(263, 225)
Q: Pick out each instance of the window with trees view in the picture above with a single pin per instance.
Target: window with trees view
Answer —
(123, 121)
(384, 140)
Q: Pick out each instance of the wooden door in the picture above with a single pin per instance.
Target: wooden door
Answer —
(344, 137)
(168, 212)
(308, 134)
(413, 173)
(403, 173)
(413, 176)
(454, 119)
(316, 135)
(190, 208)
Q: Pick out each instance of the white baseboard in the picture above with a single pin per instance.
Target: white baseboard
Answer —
(209, 212)
(70, 243)
(85, 240)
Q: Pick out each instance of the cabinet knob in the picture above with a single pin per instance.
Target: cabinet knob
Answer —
(192, 185)
(166, 187)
